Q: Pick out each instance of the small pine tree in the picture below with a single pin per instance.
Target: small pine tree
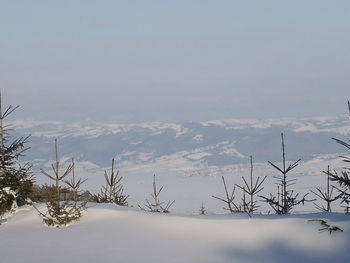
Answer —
(15, 178)
(113, 191)
(326, 196)
(202, 210)
(156, 205)
(61, 213)
(229, 199)
(74, 185)
(286, 199)
(343, 179)
(251, 188)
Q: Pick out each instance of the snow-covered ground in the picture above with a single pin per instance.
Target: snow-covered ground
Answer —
(107, 233)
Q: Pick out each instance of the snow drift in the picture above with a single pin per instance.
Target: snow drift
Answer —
(107, 233)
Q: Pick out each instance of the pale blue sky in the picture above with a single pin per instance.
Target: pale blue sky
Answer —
(134, 61)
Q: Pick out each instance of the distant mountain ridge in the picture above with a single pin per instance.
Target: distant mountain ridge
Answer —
(217, 142)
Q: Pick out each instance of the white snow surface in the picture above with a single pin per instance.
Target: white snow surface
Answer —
(107, 233)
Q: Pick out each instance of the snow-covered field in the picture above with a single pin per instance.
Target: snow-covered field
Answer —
(107, 233)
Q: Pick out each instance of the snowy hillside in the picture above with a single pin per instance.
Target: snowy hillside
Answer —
(110, 234)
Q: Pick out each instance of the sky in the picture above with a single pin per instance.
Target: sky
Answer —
(193, 60)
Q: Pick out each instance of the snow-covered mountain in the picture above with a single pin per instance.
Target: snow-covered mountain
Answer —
(210, 143)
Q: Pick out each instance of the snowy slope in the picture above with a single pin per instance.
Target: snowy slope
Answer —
(110, 234)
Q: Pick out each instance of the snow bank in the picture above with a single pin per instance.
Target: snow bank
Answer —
(107, 233)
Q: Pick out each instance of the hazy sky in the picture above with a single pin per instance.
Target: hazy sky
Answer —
(134, 61)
